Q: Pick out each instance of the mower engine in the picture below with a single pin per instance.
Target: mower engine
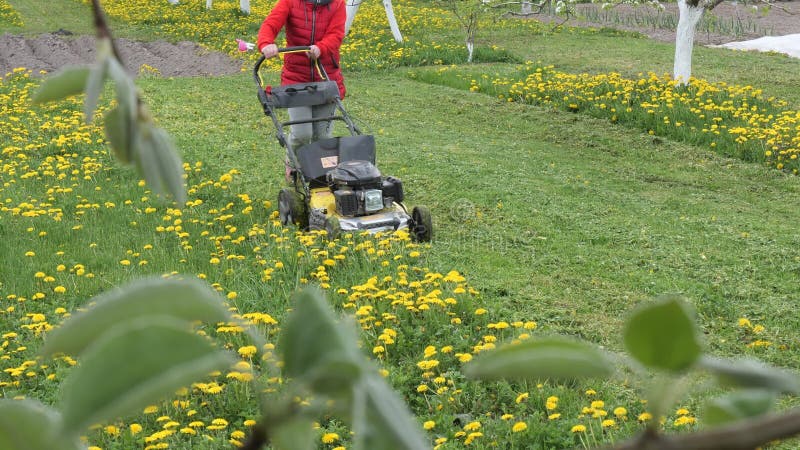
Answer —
(359, 189)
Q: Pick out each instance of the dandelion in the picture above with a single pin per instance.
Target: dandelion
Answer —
(429, 425)
(578, 429)
(519, 426)
(472, 426)
(330, 438)
(684, 420)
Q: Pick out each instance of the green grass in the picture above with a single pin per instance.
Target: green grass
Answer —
(599, 52)
(52, 15)
(562, 218)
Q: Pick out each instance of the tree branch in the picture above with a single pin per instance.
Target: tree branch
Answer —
(101, 26)
(537, 8)
(743, 435)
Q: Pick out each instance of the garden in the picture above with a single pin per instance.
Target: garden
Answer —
(570, 179)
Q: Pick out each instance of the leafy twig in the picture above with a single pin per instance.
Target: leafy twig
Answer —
(744, 435)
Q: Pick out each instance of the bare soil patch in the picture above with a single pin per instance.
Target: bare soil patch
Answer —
(49, 52)
(782, 19)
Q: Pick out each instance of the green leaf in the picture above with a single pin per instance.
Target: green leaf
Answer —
(751, 374)
(158, 161)
(117, 127)
(121, 123)
(312, 338)
(188, 300)
(71, 80)
(663, 335)
(94, 87)
(30, 425)
(389, 423)
(137, 363)
(170, 165)
(738, 405)
(294, 434)
(554, 358)
(333, 377)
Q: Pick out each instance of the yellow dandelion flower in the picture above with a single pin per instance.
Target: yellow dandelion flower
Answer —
(329, 438)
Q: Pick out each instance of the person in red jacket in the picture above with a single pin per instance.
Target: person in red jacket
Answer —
(320, 25)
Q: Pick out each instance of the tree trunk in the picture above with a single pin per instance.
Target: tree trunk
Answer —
(173, 2)
(352, 9)
(208, 4)
(688, 18)
(526, 9)
(387, 5)
(244, 5)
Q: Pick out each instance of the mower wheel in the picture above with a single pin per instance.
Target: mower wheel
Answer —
(421, 224)
(292, 209)
(333, 228)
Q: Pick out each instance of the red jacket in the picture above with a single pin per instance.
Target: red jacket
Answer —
(300, 17)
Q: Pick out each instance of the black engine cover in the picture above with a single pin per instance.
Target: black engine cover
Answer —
(355, 174)
(393, 187)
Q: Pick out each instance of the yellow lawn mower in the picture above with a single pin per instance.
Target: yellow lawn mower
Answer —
(334, 183)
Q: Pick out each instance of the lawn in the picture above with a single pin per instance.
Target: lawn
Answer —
(548, 221)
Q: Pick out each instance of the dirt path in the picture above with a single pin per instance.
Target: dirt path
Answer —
(48, 52)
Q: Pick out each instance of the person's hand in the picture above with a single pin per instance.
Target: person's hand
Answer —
(270, 51)
(313, 52)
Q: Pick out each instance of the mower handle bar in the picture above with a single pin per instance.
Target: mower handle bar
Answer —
(294, 49)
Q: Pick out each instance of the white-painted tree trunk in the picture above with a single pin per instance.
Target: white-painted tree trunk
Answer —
(470, 49)
(352, 10)
(173, 2)
(688, 18)
(244, 5)
(526, 8)
(208, 4)
(387, 5)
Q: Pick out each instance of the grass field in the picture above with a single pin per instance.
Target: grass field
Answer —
(557, 221)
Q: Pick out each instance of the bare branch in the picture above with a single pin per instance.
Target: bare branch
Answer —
(103, 31)
(744, 435)
(713, 5)
(539, 6)
(772, 4)
(560, 24)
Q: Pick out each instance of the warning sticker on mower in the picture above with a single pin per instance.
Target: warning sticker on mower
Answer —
(329, 161)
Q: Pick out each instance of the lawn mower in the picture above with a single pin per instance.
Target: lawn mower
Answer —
(334, 183)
